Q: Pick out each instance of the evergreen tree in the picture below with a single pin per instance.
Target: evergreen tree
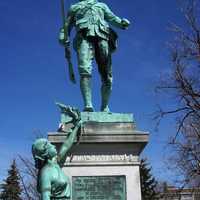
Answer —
(148, 182)
(10, 189)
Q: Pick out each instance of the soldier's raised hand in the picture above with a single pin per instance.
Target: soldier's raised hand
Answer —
(125, 23)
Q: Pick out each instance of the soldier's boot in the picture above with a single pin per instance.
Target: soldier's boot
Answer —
(85, 85)
(106, 90)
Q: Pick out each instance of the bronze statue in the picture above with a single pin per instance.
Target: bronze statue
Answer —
(94, 39)
(52, 182)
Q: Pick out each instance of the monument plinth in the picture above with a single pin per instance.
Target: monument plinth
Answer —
(104, 161)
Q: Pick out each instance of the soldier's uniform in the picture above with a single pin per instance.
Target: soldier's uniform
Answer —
(93, 40)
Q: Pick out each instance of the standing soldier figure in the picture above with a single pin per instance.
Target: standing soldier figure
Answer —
(94, 39)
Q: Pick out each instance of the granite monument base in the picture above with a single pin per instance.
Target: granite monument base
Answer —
(104, 163)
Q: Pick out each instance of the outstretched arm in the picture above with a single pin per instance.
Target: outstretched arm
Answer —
(68, 144)
(115, 20)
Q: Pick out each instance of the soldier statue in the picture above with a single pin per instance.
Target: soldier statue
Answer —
(94, 39)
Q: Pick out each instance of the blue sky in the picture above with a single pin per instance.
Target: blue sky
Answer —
(33, 72)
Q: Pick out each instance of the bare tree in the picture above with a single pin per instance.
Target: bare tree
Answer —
(183, 84)
(28, 172)
(28, 177)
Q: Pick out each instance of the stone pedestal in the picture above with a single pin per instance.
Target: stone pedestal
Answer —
(104, 164)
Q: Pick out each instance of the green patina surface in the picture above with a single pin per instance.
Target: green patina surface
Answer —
(94, 40)
(99, 188)
(52, 183)
(100, 117)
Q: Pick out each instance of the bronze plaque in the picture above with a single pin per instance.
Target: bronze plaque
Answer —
(99, 188)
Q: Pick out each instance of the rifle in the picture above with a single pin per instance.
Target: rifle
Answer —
(67, 46)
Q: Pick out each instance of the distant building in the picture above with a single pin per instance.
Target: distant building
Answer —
(173, 193)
